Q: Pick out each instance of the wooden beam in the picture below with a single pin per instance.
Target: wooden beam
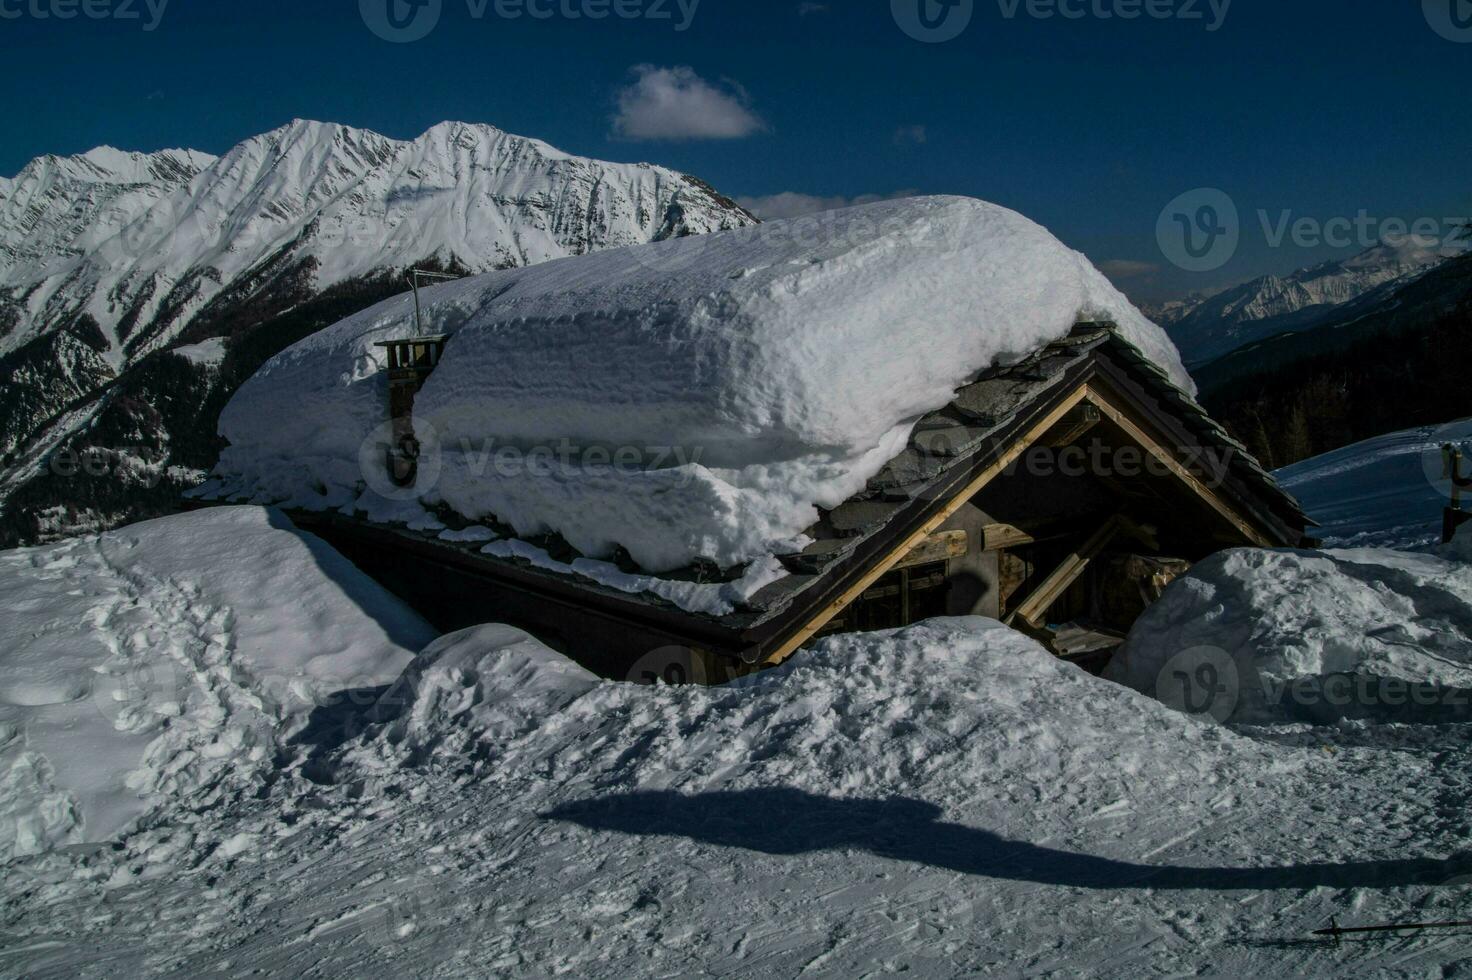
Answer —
(1073, 426)
(999, 537)
(1034, 608)
(1003, 537)
(938, 547)
(1168, 459)
(882, 567)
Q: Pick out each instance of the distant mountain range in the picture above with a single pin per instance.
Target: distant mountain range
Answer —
(1395, 357)
(1206, 328)
(109, 260)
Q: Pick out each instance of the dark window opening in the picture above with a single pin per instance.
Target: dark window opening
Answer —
(899, 598)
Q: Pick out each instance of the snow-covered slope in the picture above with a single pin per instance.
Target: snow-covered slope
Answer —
(948, 800)
(140, 243)
(173, 659)
(754, 375)
(1386, 492)
(1209, 327)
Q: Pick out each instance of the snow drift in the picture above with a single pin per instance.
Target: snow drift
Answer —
(743, 378)
(940, 801)
(950, 711)
(173, 658)
(1287, 636)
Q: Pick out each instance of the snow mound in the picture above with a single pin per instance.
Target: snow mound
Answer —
(950, 711)
(695, 398)
(486, 682)
(1266, 637)
(172, 658)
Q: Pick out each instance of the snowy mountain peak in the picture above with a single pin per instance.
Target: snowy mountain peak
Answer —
(1412, 252)
(109, 256)
(109, 165)
(142, 243)
(1205, 328)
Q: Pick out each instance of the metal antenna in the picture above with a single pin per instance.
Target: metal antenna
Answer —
(414, 275)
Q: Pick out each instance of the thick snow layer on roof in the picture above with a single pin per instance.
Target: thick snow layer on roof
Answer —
(695, 398)
(173, 658)
(1282, 636)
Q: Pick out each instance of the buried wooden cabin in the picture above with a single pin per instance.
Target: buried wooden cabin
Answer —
(1060, 494)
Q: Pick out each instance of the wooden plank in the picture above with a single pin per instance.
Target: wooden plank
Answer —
(938, 547)
(1074, 426)
(1004, 537)
(1168, 459)
(1034, 608)
(882, 567)
(999, 537)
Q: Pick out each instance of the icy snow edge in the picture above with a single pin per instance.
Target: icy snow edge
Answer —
(690, 399)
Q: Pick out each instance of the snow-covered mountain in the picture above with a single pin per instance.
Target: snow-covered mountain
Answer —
(109, 257)
(1205, 328)
(140, 243)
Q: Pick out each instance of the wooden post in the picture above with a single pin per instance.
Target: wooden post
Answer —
(1035, 608)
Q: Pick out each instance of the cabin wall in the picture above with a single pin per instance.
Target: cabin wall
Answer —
(974, 577)
(451, 598)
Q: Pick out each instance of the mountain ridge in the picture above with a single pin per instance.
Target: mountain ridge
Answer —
(1209, 327)
(110, 258)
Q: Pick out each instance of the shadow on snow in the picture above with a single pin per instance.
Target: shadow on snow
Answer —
(789, 821)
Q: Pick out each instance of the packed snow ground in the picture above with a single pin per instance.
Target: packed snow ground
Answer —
(695, 398)
(940, 801)
(173, 659)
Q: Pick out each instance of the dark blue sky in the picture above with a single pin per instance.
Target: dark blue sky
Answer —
(1090, 125)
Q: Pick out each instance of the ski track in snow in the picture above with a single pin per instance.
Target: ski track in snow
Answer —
(1384, 492)
(455, 856)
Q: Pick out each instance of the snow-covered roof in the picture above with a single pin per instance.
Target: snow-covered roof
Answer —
(692, 399)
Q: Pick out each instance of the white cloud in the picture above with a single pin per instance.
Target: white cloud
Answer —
(790, 204)
(910, 134)
(677, 104)
(808, 7)
(1127, 269)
